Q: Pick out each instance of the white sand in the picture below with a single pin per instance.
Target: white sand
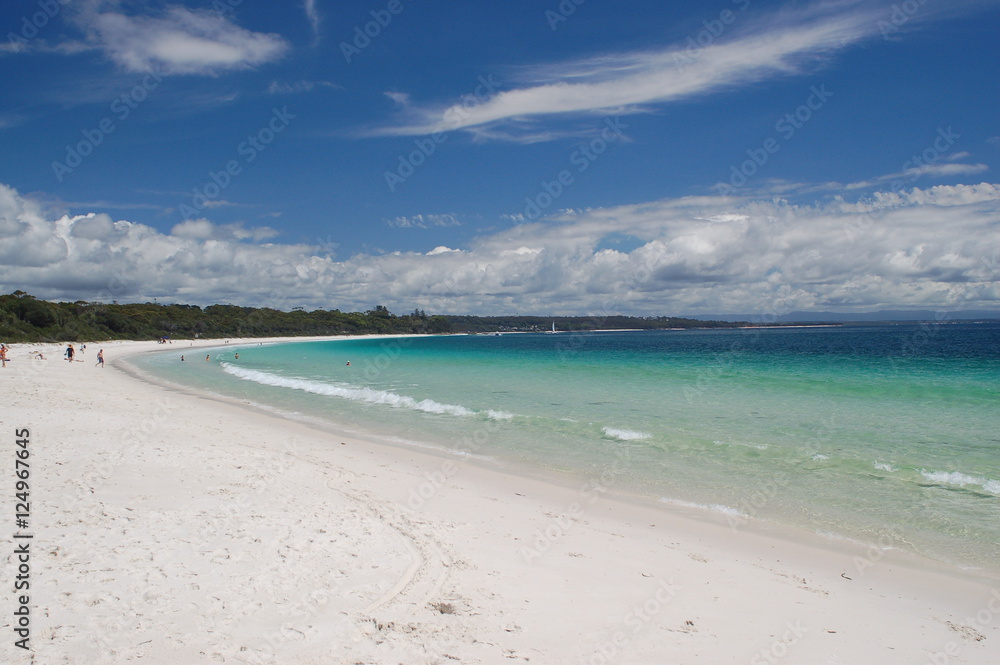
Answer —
(176, 528)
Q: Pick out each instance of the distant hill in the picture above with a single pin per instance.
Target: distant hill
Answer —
(863, 317)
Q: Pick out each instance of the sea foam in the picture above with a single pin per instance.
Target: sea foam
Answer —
(714, 507)
(962, 479)
(625, 434)
(357, 394)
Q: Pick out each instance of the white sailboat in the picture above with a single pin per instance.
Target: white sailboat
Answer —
(553, 328)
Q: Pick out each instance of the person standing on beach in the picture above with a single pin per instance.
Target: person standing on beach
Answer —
(3, 354)
(100, 358)
(69, 353)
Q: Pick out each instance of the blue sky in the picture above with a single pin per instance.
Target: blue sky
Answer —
(537, 157)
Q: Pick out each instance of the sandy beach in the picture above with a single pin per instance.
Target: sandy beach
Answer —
(173, 527)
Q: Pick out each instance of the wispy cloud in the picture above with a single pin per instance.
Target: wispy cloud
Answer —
(780, 44)
(313, 17)
(914, 173)
(178, 41)
(423, 221)
(293, 87)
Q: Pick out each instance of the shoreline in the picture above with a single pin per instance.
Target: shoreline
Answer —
(735, 516)
(407, 554)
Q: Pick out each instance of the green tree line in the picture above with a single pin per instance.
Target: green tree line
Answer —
(24, 318)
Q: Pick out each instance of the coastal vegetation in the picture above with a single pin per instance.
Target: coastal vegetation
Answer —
(24, 318)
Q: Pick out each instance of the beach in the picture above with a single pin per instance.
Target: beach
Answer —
(169, 526)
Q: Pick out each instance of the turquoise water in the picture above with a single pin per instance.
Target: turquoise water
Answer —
(887, 434)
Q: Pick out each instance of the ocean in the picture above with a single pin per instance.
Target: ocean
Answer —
(883, 434)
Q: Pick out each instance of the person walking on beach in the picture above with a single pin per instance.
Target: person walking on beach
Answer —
(3, 354)
(100, 358)
(70, 353)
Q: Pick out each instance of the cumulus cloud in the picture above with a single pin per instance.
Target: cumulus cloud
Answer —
(919, 248)
(179, 41)
(782, 43)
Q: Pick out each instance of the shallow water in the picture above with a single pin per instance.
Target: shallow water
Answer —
(887, 434)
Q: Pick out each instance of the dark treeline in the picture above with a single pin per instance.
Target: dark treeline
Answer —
(24, 318)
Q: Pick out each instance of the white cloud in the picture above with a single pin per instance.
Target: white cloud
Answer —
(920, 248)
(203, 229)
(285, 88)
(780, 44)
(913, 173)
(313, 17)
(399, 98)
(423, 221)
(944, 170)
(180, 41)
(441, 249)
